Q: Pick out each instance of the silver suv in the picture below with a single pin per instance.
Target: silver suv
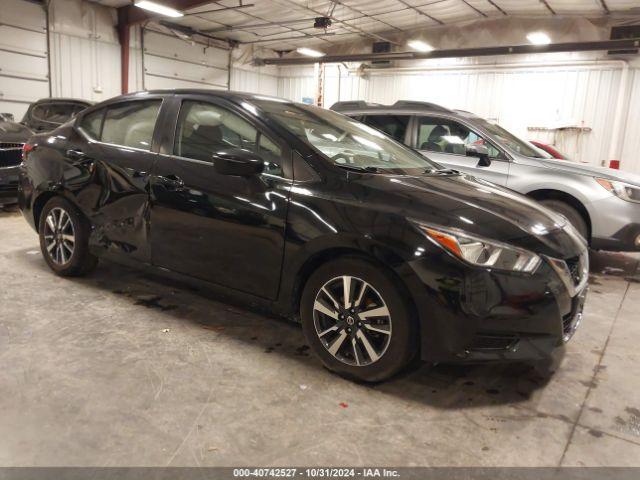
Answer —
(603, 204)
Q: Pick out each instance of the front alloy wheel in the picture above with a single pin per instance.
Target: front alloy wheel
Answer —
(59, 236)
(352, 320)
(358, 319)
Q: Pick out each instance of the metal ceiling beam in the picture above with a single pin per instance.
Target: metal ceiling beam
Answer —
(474, 8)
(420, 12)
(460, 52)
(223, 9)
(132, 15)
(495, 5)
(546, 4)
(343, 22)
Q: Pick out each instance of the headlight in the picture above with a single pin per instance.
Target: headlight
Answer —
(482, 252)
(625, 191)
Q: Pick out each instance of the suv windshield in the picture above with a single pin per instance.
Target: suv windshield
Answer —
(508, 139)
(345, 142)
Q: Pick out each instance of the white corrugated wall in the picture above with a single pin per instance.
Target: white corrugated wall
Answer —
(521, 97)
(23, 56)
(85, 53)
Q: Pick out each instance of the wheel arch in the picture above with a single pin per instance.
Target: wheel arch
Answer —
(320, 257)
(552, 194)
(39, 203)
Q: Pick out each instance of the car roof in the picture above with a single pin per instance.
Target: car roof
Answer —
(64, 100)
(401, 106)
(230, 94)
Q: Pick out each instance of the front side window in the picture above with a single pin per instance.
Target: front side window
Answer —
(393, 125)
(91, 124)
(442, 135)
(204, 128)
(343, 141)
(509, 140)
(131, 124)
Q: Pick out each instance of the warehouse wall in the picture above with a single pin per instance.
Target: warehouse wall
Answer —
(23, 56)
(525, 97)
(85, 53)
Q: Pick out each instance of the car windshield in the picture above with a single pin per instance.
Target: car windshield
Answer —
(345, 142)
(509, 140)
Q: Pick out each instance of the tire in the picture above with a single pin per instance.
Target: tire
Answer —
(571, 213)
(64, 239)
(332, 335)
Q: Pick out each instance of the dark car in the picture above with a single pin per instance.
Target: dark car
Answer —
(379, 252)
(48, 113)
(12, 138)
(42, 116)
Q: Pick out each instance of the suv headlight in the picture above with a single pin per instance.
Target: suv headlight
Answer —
(480, 251)
(627, 192)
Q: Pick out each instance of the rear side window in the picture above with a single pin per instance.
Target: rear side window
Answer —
(91, 124)
(393, 125)
(131, 124)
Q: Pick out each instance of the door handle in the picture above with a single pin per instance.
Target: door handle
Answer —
(171, 182)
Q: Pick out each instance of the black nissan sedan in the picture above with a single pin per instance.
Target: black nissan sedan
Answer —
(381, 254)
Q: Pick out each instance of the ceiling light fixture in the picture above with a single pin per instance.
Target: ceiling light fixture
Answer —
(309, 52)
(539, 38)
(420, 46)
(159, 9)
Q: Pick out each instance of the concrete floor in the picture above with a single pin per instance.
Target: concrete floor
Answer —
(119, 369)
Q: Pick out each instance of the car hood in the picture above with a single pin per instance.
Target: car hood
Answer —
(590, 170)
(14, 132)
(474, 205)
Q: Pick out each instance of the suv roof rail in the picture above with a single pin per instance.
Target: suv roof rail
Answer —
(415, 104)
(339, 106)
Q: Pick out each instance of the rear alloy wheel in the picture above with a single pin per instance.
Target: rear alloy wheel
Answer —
(357, 320)
(59, 236)
(64, 238)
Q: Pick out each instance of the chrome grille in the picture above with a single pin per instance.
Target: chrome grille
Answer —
(10, 154)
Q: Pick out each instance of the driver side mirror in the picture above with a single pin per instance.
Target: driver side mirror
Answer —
(238, 162)
(480, 151)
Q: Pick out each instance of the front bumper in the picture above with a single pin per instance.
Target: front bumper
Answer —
(476, 315)
(9, 185)
(615, 225)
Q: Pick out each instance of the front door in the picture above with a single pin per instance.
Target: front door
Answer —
(225, 229)
(445, 141)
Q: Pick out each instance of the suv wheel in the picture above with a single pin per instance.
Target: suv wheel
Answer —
(64, 239)
(571, 213)
(357, 321)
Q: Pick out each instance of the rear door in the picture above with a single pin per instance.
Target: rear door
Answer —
(445, 141)
(229, 230)
(114, 150)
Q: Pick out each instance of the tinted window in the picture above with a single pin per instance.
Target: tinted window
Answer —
(343, 141)
(393, 125)
(448, 136)
(131, 124)
(204, 128)
(92, 124)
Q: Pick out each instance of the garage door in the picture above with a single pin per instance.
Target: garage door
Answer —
(23, 56)
(170, 62)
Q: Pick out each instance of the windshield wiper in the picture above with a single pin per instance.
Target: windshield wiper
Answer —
(357, 168)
